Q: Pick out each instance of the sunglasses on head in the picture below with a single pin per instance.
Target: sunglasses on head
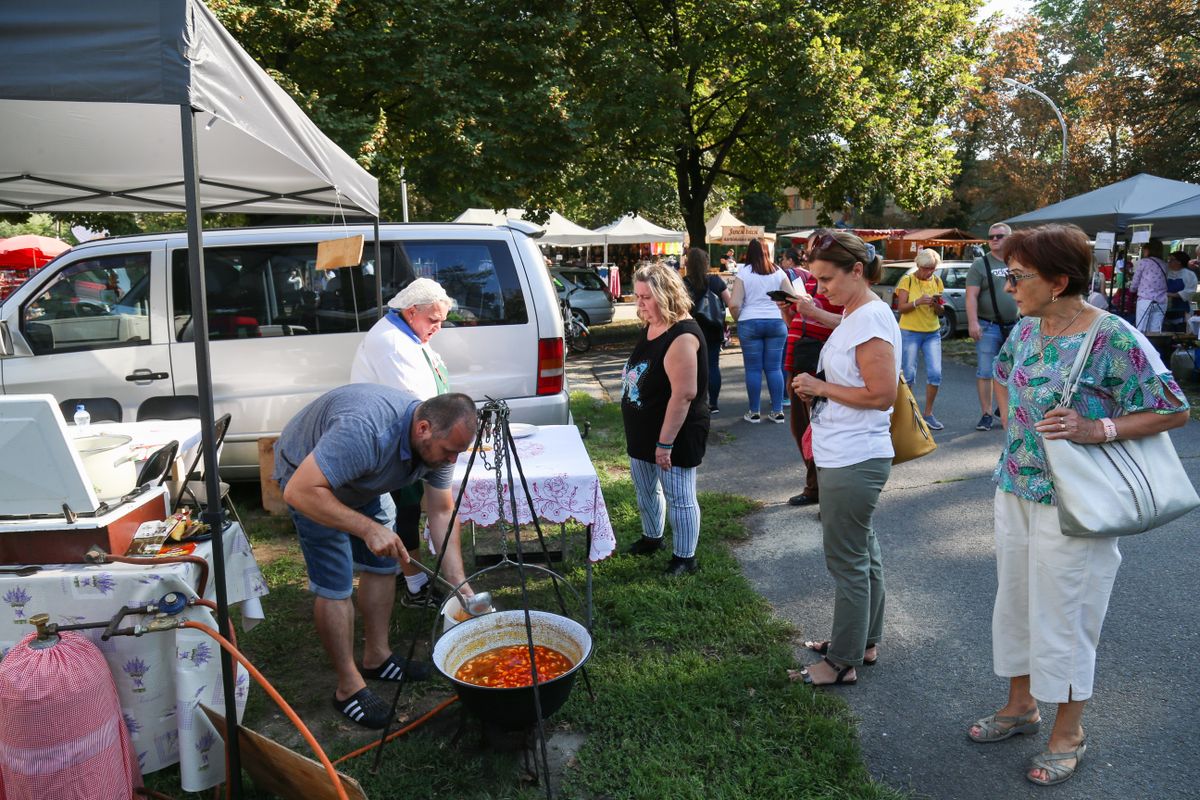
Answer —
(824, 240)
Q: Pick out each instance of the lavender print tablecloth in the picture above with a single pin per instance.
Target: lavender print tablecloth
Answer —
(161, 677)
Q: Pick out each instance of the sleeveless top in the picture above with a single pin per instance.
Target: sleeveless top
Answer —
(646, 389)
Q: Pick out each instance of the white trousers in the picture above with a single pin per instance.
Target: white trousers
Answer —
(1051, 596)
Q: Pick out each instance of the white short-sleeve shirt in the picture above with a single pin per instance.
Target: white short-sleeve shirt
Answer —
(843, 435)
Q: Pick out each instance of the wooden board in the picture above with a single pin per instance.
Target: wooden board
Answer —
(283, 772)
(335, 253)
(272, 495)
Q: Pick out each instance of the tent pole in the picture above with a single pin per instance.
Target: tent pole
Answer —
(212, 514)
(378, 270)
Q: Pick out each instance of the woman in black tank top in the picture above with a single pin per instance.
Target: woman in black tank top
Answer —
(665, 409)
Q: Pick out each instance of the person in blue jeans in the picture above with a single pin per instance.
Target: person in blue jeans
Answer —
(698, 280)
(761, 330)
(919, 301)
(991, 314)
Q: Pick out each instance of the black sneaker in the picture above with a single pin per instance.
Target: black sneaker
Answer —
(645, 546)
(428, 597)
(681, 566)
(985, 423)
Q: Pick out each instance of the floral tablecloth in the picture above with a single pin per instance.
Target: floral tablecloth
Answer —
(561, 478)
(161, 677)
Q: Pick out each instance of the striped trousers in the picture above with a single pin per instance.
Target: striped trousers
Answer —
(679, 486)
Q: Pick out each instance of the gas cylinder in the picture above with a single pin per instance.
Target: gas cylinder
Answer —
(1182, 364)
(62, 734)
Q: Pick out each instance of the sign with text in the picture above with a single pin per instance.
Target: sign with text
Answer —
(1105, 240)
(741, 234)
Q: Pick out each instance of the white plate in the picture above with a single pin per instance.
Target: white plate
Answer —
(520, 430)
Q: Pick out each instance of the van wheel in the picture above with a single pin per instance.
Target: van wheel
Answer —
(948, 325)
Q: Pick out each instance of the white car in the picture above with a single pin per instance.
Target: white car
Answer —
(113, 318)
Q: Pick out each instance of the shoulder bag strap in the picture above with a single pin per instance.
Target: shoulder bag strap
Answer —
(1085, 350)
(987, 269)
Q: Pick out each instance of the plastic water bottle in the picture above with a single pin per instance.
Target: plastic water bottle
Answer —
(82, 418)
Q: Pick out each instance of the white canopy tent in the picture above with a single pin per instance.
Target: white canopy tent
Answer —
(716, 225)
(558, 230)
(150, 105)
(636, 229)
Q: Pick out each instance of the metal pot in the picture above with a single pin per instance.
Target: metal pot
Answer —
(108, 460)
(512, 709)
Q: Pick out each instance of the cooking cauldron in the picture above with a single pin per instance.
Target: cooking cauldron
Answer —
(512, 709)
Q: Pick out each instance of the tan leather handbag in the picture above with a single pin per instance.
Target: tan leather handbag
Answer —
(911, 437)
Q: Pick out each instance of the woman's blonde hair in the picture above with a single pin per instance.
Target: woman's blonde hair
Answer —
(928, 258)
(668, 291)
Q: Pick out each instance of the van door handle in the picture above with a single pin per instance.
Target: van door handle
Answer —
(139, 375)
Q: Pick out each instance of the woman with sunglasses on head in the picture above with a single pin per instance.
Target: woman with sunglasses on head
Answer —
(852, 398)
(760, 329)
(1053, 590)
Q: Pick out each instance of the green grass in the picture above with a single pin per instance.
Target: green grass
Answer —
(692, 694)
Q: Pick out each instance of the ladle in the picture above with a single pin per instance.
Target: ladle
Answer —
(478, 604)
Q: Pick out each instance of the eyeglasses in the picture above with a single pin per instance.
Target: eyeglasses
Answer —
(823, 240)
(1012, 278)
(996, 236)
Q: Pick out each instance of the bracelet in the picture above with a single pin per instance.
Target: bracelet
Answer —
(1110, 430)
(665, 446)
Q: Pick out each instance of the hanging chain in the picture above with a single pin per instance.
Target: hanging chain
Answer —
(495, 416)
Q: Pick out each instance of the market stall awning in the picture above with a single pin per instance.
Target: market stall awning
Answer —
(558, 230)
(30, 251)
(635, 229)
(89, 116)
(1112, 207)
(714, 228)
(1173, 221)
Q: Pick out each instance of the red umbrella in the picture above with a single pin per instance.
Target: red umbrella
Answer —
(29, 251)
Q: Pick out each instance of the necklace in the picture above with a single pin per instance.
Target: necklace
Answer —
(1042, 330)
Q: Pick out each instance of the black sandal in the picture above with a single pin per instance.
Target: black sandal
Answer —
(840, 680)
(365, 708)
(823, 649)
(393, 669)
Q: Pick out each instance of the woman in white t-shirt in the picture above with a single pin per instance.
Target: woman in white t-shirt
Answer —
(760, 329)
(852, 397)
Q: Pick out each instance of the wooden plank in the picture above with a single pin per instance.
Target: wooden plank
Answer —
(272, 495)
(283, 772)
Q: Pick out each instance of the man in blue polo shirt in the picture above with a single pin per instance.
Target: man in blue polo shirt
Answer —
(337, 461)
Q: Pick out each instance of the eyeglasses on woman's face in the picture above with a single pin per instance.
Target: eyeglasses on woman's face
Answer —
(1013, 278)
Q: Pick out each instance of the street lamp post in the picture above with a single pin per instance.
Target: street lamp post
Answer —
(1062, 171)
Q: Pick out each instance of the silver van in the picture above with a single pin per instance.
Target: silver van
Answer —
(112, 318)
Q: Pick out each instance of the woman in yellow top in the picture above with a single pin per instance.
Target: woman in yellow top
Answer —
(919, 301)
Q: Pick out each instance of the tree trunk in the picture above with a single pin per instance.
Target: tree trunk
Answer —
(692, 194)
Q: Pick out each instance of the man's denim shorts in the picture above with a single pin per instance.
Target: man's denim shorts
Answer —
(988, 347)
(332, 556)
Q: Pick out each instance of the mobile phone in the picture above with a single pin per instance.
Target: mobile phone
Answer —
(780, 296)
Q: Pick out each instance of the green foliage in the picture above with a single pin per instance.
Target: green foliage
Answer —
(36, 224)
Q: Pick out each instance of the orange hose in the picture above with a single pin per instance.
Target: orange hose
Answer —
(411, 726)
(200, 601)
(279, 701)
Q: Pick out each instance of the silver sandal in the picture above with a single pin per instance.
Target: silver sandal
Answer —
(1056, 771)
(991, 730)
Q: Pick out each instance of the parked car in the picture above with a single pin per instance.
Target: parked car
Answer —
(954, 282)
(592, 302)
(113, 318)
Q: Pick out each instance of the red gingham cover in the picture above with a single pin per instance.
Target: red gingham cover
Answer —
(62, 734)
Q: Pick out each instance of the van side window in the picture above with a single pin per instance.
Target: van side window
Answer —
(480, 276)
(94, 304)
(274, 290)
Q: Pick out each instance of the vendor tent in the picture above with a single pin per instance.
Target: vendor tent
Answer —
(558, 231)
(635, 229)
(150, 105)
(1112, 207)
(715, 226)
(911, 242)
(1173, 221)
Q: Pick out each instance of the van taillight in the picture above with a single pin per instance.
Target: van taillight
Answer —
(550, 366)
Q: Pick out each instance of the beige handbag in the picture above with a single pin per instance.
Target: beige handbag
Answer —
(911, 437)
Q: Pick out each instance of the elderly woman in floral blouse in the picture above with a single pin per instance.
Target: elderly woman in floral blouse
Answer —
(1053, 590)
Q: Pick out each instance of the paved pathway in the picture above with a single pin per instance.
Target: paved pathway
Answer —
(934, 677)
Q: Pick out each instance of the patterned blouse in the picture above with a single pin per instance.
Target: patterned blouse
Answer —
(1118, 378)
